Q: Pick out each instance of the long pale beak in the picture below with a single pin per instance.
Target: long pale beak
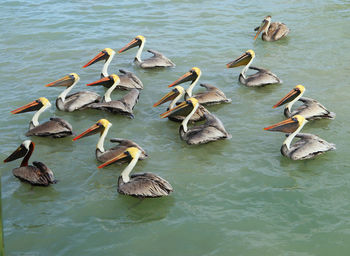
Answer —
(91, 131)
(106, 81)
(178, 107)
(33, 106)
(261, 28)
(288, 98)
(101, 56)
(65, 81)
(20, 152)
(240, 61)
(169, 96)
(188, 76)
(288, 126)
(130, 45)
(122, 155)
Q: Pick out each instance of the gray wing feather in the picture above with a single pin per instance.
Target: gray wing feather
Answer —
(56, 127)
(80, 100)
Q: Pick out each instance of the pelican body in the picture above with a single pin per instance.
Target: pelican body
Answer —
(37, 174)
(139, 185)
(75, 101)
(211, 130)
(55, 128)
(124, 106)
(271, 31)
(157, 60)
(307, 147)
(102, 126)
(311, 109)
(261, 78)
(128, 80)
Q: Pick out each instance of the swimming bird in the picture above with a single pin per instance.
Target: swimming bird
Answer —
(311, 109)
(128, 80)
(75, 101)
(102, 126)
(124, 106)
(37, 174)
(307, 147)
(211, 130)
(56, 127)
(157, 60)
(271, 31)
(213, 95)
(139, 185)
(261, 78)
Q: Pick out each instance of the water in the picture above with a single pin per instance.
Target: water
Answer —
(234, 197)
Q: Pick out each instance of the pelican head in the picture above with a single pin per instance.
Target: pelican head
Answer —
(98, 127)
(265, 24)
(191, 75)
(33, 106)
(106, 81)
(289, 125)
(65, 81)
(21, 151)
(176, 91)
(293, 94)
(103, 55)
(189, 102)
(137, 41)
(242, 60)
(132, 152)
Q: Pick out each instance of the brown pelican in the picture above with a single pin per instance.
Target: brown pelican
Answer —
(272, 31)
(56, 127)
(157, 60)
(211, 130)
(124, 106)
(311, 109)
(307, 147)
(102, 126)
(128, 80)
(174, 95)
(261, 78)
(142, 184)
(76, 100)
(212, 96)
(39, 174)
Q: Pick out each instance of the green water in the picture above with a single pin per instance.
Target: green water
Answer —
(233, 197)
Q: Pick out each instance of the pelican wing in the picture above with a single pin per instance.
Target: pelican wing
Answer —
(131, 99)
(129, 81)
(277, 30)
(262, 77)
(56, 127)
(212, 95)
(312, 109)
(80, 100)
(33, 174)
(157, 60)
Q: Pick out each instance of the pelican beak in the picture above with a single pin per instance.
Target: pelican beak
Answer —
(288, 126)
(135, 42)
(20, 152)
(96, 128)
(103, 55)
(106, 81)
(65, 81)
(261, 28)
(188, 76)
(169, 96)
(178, 107)
(122, 155)
(240, 61)
(33, 106)
(288, 98)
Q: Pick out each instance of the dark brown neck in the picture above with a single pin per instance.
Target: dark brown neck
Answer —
(28, 155)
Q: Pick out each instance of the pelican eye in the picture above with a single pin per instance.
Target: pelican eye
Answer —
(71, 76)
(38, 101)
(294, 119)
(174, 90)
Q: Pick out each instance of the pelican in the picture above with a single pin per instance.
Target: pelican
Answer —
(211, 130)
(124, 106)
(261, 78)
(311, 109)
(56, 127)
(157, 60)
(142, 184)
(102, 126)
(75, 101)
(272, 31)
(128, 80)
(307, 147)
(213, 95)
(37, 174)
(174, 95)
